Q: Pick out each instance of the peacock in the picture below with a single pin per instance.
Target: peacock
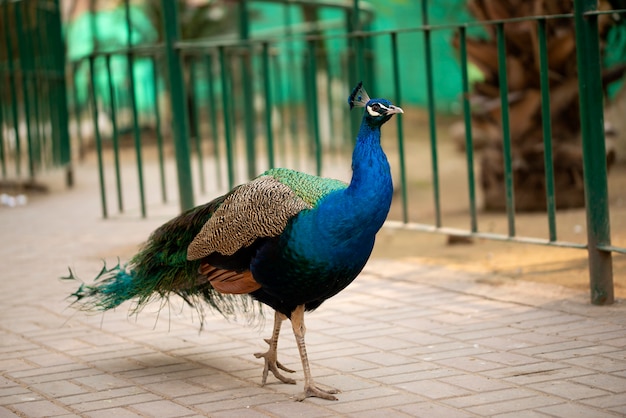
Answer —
(285, 239)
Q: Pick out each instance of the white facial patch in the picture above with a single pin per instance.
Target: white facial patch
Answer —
(373, 112)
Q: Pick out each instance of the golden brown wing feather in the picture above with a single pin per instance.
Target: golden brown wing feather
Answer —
(227, 281)
(260, 208)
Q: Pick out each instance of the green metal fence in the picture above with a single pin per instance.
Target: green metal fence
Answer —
(33, 108)
(232, 117)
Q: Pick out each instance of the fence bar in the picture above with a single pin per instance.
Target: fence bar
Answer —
(133, 106)
(194, 112)
(284, 97)
(467, 115)
(358, 41)
(226, 109)
(594, 152)
(44, 75)
(547, 128)
(356, 70)
(428, 57)
(178, 104)
(3, 162)
(25, 74)
(159, 132)
(314, 104)
(33, 80)
(248, 99)
(77, 110)
(212, 109)
(334, 140)
(281, 108)
(12, 88)
(397, 96)
(267, 90)
(486, 235)
(506, 134)
(94, 113)
(115, 138)
(60, 105)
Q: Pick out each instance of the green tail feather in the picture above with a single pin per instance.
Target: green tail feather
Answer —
(161, 269)
(111, 287)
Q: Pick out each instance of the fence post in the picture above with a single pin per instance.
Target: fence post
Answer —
(594, 152)
(178, 104)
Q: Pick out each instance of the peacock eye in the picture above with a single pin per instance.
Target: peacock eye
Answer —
(375, 107)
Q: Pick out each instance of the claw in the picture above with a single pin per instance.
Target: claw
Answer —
(287, 369)
(271, 364)
(316, 392)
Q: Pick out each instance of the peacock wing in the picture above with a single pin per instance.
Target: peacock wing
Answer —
(252, 212)
(258, 209)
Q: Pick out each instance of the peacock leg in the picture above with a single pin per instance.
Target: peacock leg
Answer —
(310, 389)
(270, 356)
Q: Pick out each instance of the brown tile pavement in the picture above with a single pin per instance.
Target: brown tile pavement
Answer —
(403, 340)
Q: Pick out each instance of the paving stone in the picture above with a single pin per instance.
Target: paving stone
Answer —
(378, 412)
(47, 359)
(101, 381)
(577, 352)
(112, 412)
(42, 408)
(240, 402)
(59, 388)
(6, 413)
(347, 364)
(463, 350)
(162, 408)
(476, 383)
(522, 414)
(507, 358)
(501, 343)
(109, 403)
(433, 410)
(364, 405)
(603, 363)
(288, 409)
(174, 388)
(607, 401)
(515, 405)
(615, 384)
(433, 389)
(489, 397)
(571, 410)
(241, 412)
(567, 390)
(469, 364)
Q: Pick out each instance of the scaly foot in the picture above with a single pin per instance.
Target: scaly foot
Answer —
(272, 364)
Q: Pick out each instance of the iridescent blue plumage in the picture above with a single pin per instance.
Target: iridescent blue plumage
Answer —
(288, 239)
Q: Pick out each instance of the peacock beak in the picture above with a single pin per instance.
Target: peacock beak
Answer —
(394, 109)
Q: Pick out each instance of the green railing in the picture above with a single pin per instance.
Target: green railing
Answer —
(232, 117)
(33, 104)
(219, 82)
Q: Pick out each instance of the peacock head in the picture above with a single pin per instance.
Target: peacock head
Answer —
(377, 111)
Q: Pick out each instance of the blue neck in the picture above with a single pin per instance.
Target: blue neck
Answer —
(371, 188)
(345, 222)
